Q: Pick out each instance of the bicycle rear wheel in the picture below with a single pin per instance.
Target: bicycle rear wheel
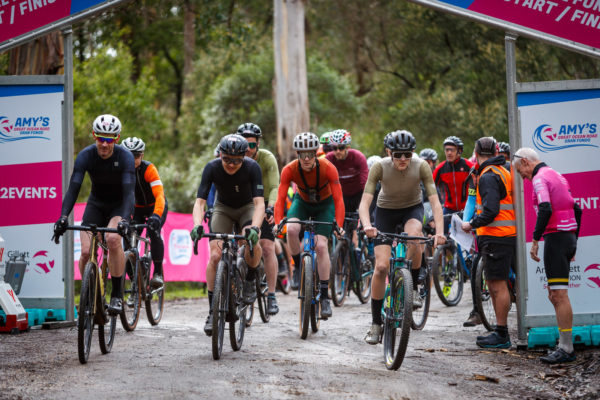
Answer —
(284, 282)
(154, 299)
(85, 321)
(398, 319)
(447, 276)
(106, 331)
(219, 307)
(419, 315)
(306, 294)
(237, 312)
(261, 292)
(339, 278)
(483, 299)
(132, 286)
(362, 285)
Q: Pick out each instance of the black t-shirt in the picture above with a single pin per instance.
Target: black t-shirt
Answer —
(235, 190)
(113, 179)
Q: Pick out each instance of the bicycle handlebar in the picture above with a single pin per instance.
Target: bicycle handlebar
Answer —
(87, 228)
(404, 238)
(225, 237)
(311, 222)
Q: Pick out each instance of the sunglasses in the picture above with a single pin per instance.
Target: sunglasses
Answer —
(399, 154)
(252, 145)
(105, 139)
(307, 155)
(233, 161)
(341, 147)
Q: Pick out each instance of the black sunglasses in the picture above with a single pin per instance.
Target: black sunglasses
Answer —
(341, 147)
(229, 160)
(399, 154)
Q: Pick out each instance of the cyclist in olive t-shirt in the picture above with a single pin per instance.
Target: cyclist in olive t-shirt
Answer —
(399, 203)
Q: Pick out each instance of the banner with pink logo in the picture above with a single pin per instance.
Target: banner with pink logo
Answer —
(564, 128)
(31, 183)
(180, 263)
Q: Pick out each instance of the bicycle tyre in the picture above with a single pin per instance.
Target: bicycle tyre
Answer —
(483, 299)
(107, 329)
(398, 318)
(219, 310)
(419, 315)
(284, 283)
(339, 277)
(315, 309)
(261, 293)
(306, 287)
(85, 320)
(132, 291)
(237, 312)
(249, 318)
(445, 271)
(362, 287)
(154, 299)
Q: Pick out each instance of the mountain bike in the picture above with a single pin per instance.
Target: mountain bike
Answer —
(136, 283)
(262, 289)
(483, 299)
(309, 292)
(423, 288)
(351, 269)
(398, 300)
(228, 303)
(94, 297)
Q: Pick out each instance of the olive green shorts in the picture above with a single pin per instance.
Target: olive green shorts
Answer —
(225, 219)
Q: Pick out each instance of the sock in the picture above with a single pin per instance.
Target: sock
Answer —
(324, 289)
(296, 259)
(565, 340)
(251, 274)
(415, 278)
(158, 269)
(502, 330)
(116, 287)
(210, 298)
(376, 310)
(271, 295)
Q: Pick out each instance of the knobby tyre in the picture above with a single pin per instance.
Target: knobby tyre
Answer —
(262, 292)
(362, 286)
(219, 308)
(447, 276)
(315, 309)
(132, 286)
(419, 315)
(398, 319)
(483, 299)
(106, 331)
(85, 322)
(237, 311)
(154, 299)
(284, 282)
(340, 273)
(305, 288)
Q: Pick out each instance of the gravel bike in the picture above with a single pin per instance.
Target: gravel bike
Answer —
(397, 307)
(228, 303)
(351, 269)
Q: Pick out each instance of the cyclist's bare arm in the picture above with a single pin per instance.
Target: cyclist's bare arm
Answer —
(438, 217)
(198, 212)
(259, 211)
(365, 216)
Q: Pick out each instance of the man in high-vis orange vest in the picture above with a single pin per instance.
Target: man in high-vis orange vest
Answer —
(496, 229)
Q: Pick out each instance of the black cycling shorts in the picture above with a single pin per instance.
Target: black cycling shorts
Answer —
(351, 203)
(387, 219)
(266, 231)
(100, 214)
(497, 259)
(559, 249)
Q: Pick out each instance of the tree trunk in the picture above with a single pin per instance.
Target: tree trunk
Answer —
(189, 43)
(291, 87)
(43, 56)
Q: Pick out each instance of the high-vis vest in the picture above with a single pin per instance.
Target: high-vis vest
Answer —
(505, 223)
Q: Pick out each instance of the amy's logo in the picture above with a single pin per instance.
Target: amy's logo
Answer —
(546, 138)
(24, 128)
(42, 262)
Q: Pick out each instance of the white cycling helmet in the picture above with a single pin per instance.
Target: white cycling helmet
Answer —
(134, 144)
(372, 160)
(339, 137)
(306, 141)
(107, 124)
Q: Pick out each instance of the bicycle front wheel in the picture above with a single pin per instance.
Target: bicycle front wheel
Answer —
(261, 292)
(306, 294)
(448, 276)
(398, 319)
(219, 308)
(132, 286)
(154, 298)
(483, 299)
(419, 315)
(340, 273)
(85, 321)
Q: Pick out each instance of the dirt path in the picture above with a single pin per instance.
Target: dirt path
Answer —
(173, 361)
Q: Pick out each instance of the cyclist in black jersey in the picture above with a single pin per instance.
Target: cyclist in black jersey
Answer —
(111, 201)
(239, 204)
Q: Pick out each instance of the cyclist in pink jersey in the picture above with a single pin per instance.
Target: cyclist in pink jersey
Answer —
(558, 221)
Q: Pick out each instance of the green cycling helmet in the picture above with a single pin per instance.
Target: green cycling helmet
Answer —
(324, 139)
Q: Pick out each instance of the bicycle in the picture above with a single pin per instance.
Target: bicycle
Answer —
(94, 298)
(262, 289)
(398, 301)
(228, 304)
(136, 283)
(309, 292)
(420, 314)
(483, 298)
(351, 269)
(284, 280)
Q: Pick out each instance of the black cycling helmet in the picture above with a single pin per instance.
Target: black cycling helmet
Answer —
(428, 154)
(486, 146)
(249, 130)
(454, 141)
(233, 145)
(503, 147)
(400, 141)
